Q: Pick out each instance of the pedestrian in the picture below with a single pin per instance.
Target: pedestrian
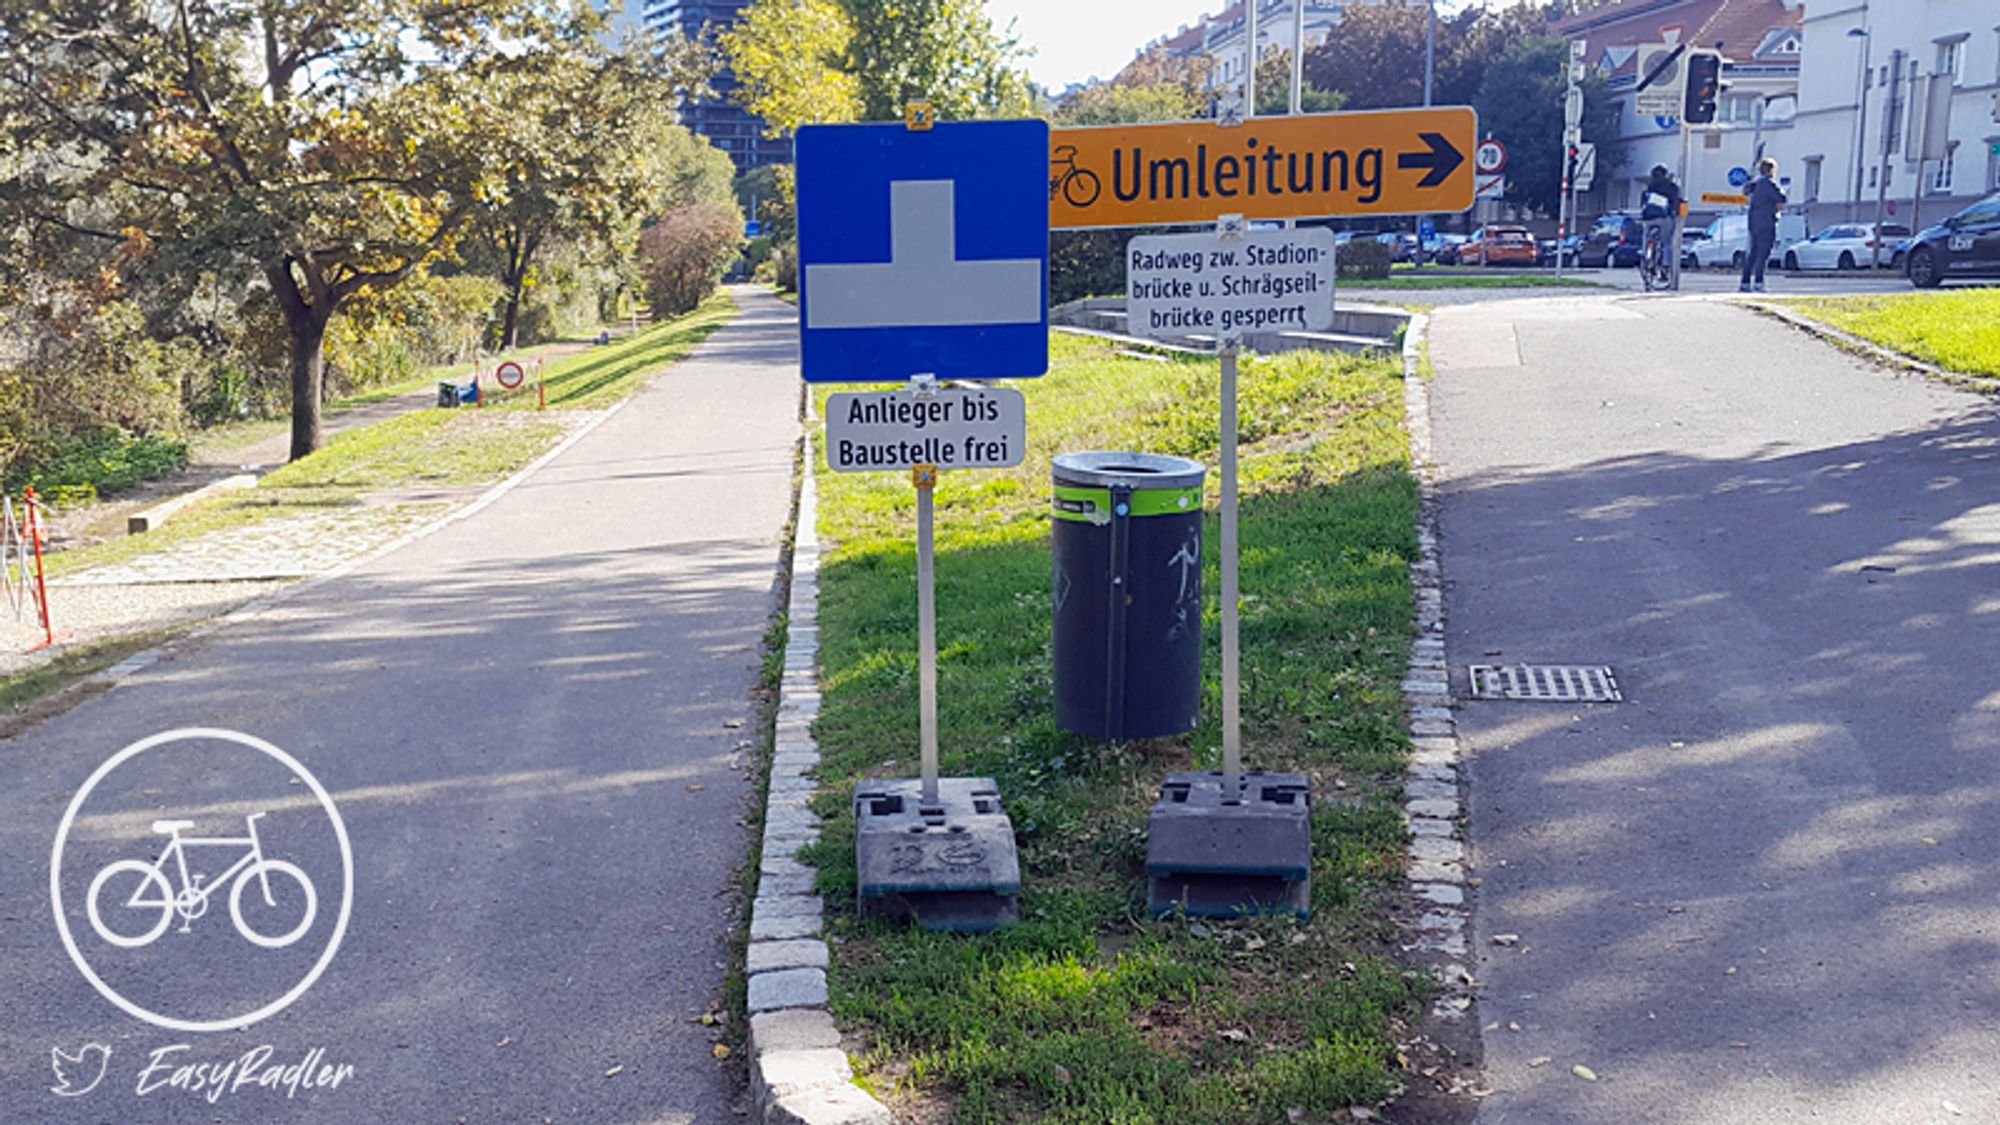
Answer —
(1766, 200)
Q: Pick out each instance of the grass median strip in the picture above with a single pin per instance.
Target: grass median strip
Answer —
(455, 448)
(1090, 1010)
(1953, 329)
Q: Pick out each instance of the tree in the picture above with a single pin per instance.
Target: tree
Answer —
(595, 150)
(1375, 54)
(331, 144)
(684, 254)
(1108, 103)
(1520, 103)
(1274, 88)
(787, 56)
(942, 51)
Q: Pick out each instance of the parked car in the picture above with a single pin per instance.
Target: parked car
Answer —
(1729, 240)
(1965, 245)
(1899, 253)
(1499, 245)
(1546, 251)
(1614, 240)
(1690, 236)
(1444, 249)
(1844, 246)
(1402, 247)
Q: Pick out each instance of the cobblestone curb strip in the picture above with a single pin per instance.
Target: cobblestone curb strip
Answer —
(1437, 856)
(798, 1073)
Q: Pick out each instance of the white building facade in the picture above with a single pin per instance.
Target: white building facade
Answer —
(1762, 45)
(1867, 62)
(1224, 35)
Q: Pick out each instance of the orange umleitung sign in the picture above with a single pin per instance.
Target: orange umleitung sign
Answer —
(1386, 162)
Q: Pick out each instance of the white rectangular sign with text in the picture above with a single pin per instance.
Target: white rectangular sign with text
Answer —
(951, 427)
(1211, 284)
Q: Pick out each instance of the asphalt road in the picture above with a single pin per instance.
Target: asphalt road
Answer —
(1760, 890)
(533, 724)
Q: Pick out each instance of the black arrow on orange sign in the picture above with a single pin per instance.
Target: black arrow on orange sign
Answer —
(1443, 159)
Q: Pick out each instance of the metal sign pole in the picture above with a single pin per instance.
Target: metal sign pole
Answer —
(925, 478)
(1232, 687)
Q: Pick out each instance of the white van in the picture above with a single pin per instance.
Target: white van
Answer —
(1729, 239)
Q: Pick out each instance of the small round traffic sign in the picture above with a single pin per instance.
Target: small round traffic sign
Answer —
(510, 374)
(1490, 156)
(1738, 177)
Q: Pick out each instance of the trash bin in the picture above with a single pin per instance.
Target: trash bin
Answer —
(447, 394)
(1126, 541)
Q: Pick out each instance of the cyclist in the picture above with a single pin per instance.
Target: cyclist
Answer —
(1660, 203)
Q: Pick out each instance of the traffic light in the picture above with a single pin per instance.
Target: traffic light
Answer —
(1704, 83)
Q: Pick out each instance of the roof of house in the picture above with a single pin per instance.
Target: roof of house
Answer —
(1746, 31)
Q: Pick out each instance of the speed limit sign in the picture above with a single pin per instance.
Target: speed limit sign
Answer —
(510, 374)
(1489, 157)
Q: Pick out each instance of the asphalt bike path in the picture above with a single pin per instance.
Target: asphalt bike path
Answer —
(535, 724)
(1759, 890)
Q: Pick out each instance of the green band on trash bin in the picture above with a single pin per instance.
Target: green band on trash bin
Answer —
(1093, 505)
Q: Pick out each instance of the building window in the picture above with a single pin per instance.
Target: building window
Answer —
(1812, 166)
(1873, 174)
(1951, 59)
(1941, 179)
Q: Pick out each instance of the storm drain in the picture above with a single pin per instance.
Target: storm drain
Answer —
(1546, 683)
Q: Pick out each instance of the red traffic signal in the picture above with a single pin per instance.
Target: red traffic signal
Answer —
(1703, 84)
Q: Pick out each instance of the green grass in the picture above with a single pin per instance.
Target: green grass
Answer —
(1957, 329)
(73, 663)
(1089, 1010)
(603, 375)
(1472, 281)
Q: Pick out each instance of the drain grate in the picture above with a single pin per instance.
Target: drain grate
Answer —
(1546, 683)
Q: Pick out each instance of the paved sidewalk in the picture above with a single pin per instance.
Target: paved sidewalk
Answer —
(536, 725)
(1760, 889)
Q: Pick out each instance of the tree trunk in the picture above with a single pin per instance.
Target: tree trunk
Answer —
(306, 321)
(511, 327)
(308, 379)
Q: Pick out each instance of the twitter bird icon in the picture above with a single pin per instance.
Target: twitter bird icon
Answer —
(72, 1070)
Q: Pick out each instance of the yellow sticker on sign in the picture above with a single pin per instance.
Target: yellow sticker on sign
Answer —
(1388, 162)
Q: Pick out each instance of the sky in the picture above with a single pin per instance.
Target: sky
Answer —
(1075, 40)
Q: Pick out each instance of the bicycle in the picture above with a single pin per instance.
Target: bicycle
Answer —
(1653, 269)
(191, 900)
(1065, 157)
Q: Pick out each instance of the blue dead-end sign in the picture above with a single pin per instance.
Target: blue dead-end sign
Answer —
(923, 251)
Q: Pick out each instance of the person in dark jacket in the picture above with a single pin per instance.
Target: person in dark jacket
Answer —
(1766, 200)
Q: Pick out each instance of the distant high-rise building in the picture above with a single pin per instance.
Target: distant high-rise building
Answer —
(726, 124)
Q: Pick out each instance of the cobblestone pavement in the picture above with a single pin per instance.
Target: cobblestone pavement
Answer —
(89, 613)
(287, 547)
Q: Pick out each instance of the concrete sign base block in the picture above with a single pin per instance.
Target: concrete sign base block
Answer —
(951, 867)
(1220, 860)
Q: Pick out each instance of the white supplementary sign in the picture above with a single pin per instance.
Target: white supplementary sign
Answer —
(924, 284)
(1211, 284)
(1662, 81)
(1586, 167)
(1490, 187)
(950, 427)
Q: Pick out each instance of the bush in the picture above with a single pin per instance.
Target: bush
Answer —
(1086, 263)
(785, 266)
(686, 253)
(385, 336)
(1363, 258)
(80, 374)
(104, 462)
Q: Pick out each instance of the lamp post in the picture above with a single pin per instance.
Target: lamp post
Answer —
(1860, 111)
